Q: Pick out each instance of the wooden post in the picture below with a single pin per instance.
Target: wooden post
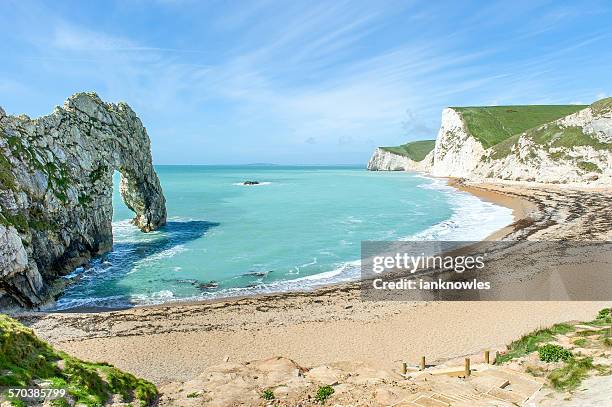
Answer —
(404, 368)
(487, 359)
(422, 363)
(467, 367)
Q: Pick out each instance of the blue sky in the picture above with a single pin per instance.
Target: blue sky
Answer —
(296, 82)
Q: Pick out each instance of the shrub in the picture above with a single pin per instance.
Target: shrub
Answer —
(588, 166)
(605, 314)
(324, 393)
(571, 375)
(530, 342)
(268, 394)
(554, 353)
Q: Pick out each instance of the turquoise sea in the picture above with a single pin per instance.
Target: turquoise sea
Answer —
(300, 228)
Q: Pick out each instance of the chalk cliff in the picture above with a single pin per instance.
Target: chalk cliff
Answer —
(56, 191)
(480, 144)
(383, 160)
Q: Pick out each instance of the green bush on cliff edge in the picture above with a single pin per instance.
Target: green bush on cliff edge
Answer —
(25, 360)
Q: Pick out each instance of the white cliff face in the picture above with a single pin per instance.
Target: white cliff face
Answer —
(457, 153)
(383, 160)
(56, 191)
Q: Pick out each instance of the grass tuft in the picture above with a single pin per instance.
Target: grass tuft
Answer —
(572, 374)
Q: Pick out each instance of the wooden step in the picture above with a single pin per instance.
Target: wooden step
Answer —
(426, 401)
(507, 395)
(406, 404)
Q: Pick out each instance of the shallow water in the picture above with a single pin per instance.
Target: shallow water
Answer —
(301, 227)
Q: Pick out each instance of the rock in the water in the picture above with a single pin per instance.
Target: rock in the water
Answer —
(250, 183)
(56, 191)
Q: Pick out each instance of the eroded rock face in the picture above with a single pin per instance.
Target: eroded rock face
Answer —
(589, 162)
(573, 150)
(383, 160)
(56, 191)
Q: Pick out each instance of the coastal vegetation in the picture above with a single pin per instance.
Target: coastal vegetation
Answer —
(415, 150)
(324, 393)
(602, 106)
(592, 336)
(551, 136)
(571, 374)
(554, 353)
(556, 144)
(27, 361)
(268, 394)
(531, 342)
(493, 124)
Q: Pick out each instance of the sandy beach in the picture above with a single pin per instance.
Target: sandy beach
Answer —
(175, 342)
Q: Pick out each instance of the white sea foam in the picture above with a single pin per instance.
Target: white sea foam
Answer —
(472, 220)
(154, 298)
(101, 302)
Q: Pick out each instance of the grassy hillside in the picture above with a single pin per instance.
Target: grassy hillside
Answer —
(26, 360)
(602, 106)
(493, 124)
(552, 136)
(416, 150)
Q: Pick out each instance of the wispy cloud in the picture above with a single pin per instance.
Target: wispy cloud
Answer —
(322, 75)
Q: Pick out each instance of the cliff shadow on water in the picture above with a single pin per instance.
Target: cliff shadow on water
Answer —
(108, 270)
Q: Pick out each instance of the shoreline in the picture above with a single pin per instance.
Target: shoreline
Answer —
(518, 206)
(177, 341)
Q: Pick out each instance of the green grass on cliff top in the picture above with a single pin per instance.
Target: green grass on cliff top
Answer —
(416, 150)
(26, 360)
(493, 124)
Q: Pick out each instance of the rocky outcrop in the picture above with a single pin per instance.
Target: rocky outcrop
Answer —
(383, 160)
(56, 191)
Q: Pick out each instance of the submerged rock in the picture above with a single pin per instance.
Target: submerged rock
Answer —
(56, 191)
(208, 286)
